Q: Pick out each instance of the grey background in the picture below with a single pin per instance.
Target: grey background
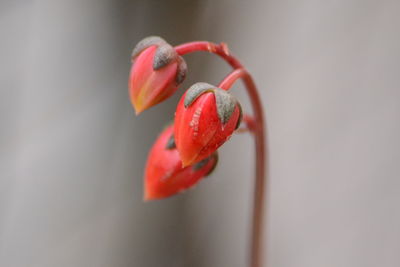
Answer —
(72, 151)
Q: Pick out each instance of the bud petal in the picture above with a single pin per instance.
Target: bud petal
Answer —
(165, 54)
(164, 174)
(205, 118)
(146, 43)
(182, 70)
(156, 72)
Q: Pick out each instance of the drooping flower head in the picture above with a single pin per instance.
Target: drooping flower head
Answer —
(164, 174)
(205, 118)
(156, 72)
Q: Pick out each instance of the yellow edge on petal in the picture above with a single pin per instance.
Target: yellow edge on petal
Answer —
(141, 103)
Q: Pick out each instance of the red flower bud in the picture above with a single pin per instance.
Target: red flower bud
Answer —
(205, 118)
(156, 72)
(164, 174)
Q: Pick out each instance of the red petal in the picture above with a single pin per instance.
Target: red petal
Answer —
(198, 130)
(195, 126)
(164, 175)
(147, 86)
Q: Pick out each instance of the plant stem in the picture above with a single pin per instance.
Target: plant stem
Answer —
(232, 77)
(258, 224)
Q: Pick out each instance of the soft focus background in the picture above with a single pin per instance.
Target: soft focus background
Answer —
(72, 151)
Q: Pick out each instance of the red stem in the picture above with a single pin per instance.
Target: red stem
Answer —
(232, 77)
(259, 134)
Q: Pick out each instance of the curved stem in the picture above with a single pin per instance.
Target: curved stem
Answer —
(218, 49)
(232, 77)
(259, 134)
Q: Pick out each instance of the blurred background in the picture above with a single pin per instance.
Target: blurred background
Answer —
(73, 152)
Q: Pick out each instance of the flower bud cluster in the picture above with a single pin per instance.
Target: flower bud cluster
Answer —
(205, 118)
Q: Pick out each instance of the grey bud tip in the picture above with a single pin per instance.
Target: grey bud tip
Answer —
(195, 91)
(171, 143)
(145, 43)
(165, 54)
